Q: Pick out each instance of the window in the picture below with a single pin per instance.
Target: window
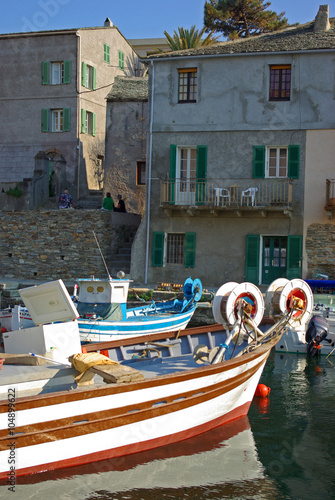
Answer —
(88, 122)
(277, 162)
(188, 172)
(88, 76)
(280, 82)
(187, 85)
(106, 53)
(140, 173)
(56, 120)
(121, 60)
(56, 73)
(173, 249)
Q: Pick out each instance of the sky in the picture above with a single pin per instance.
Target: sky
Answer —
(134, 18)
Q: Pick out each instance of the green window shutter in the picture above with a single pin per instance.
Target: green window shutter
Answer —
(67, 72)
(66, 119)
(294, 257)
(200, 194)
(121, 60)
(293, 162)
(252, 258)
(83, 121)
(173, 166)
(94, 124)
(45, 120)
(94, 78)
(189, 259)
(45, 72)
(157, 249)
(83, 73)
(106, 53)
(259, 162)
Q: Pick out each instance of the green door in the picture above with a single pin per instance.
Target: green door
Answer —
(274, 258)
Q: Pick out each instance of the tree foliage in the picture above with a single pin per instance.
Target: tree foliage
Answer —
(189, 38)
(242, 18)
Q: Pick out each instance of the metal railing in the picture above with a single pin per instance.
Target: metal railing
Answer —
(227, 193)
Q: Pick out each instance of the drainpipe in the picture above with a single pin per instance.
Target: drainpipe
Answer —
(78, 110)
(149, 175)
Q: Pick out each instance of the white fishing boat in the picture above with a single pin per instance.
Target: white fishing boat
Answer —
(104, 316)
(161, 388)
(311, 332)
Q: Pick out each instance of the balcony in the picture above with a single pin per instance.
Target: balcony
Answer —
(234, 196)
(330, 197)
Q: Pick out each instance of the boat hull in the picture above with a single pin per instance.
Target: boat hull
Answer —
(96, 423)
(102, 331)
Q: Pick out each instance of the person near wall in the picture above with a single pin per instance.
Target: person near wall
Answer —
(121, 206)
(65, 200)
(108, 203)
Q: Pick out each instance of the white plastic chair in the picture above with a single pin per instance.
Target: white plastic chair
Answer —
(250, 194)
(221, 193)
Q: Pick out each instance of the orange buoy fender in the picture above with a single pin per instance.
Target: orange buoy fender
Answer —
(262, 391)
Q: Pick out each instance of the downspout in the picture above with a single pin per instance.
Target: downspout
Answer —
(78, 110)
(149, 175)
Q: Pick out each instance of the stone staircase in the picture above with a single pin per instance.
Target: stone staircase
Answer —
(92, 201)
(122, 259)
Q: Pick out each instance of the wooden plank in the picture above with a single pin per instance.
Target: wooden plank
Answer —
(117, 374)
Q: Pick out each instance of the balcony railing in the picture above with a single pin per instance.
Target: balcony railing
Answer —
(222, 194)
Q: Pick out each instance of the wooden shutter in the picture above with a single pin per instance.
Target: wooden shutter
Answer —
(252, 258)
(106, 53)
(66, 119)
(157, 249)
(293, 162)
(45, 72)
(173, 165)
(94, 124)
(67, 72)
(94, 86)
(294, 257)
(189, 258)
(121, 60)
(200, 194)
(83, 73)
(83, 121)
(45, 120)
(259, 162)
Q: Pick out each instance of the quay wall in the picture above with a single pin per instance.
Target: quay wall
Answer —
(43, 245)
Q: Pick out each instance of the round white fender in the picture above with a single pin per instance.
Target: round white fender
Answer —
(300, 289)
(272, 295)
(220, 302)
(226, 298)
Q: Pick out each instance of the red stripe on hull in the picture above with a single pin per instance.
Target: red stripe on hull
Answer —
(133, 448)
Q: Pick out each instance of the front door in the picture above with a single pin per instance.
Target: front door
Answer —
(274, 259)
(186, 174)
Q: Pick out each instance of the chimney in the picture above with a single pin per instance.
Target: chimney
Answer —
(108, 22)
(321, 22)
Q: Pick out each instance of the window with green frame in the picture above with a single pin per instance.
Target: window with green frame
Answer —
(106, 53)
(88, 76)
(121, 60)
(275, 161)
(56, 72)
(88, 122)
(173, 249)
(55, 120)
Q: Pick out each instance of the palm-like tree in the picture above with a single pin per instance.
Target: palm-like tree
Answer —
(189, 38)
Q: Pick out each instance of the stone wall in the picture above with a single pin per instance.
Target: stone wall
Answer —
(45, 245)
(320, 249)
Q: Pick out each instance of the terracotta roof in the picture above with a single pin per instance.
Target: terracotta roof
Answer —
(129, 88)
(295, 38)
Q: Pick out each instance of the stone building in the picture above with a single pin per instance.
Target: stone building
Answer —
(53, 99)
(127, 125)
(240, 174)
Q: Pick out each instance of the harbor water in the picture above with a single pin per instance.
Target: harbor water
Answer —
(283, 450)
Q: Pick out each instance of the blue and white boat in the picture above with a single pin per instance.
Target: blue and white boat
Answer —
(104, 316)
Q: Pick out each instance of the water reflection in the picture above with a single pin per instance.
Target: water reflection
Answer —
(224, 457)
